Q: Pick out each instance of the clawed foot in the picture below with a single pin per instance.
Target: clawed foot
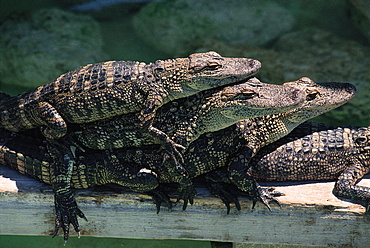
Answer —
(66, 212)
(186, 194)
(267, 195)
(170, 146)
(227, 194)
(185, 190)
(160, 196)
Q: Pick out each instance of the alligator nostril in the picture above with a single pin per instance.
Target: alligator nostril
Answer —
(350, 88)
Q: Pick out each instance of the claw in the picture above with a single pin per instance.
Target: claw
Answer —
(66, 213)
(179, 153)
(254, 203)
(227, 194)
(185, 205)
(73, 150)
(237, 205)
(187, 195)
(277, 202)
(266, 203)
(160, 197)
(172, 155)
(267, 195)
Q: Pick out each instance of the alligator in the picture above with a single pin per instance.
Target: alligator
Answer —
(99, 91)
(315, 151)
(140, 168)
(223, 107)
(261, 131)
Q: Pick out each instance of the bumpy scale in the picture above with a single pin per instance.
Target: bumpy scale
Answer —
(319, 152)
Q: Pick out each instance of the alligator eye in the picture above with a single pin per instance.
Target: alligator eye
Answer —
(311, 95)
(227, 95)
(249, 93)
(197, 68)
(246, 94)
(209, 66)
(213, 66)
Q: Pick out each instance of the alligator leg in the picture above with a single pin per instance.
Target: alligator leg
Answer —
(53, 126)
(186, 190)
(238, 172)
(346, 183)
(220, 186)
(66, 209)
(178, 171)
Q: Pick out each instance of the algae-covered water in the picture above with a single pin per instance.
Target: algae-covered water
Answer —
(12, 241)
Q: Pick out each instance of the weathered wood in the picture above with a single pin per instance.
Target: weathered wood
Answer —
(310, 215)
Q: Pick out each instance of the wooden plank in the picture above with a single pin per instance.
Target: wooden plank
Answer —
(310, 215)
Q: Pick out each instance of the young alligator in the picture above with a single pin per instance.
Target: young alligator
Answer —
(260, 131)
(140, 168)
(99, 91)
(315, 151)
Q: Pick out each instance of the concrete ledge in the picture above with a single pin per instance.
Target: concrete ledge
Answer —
(310, 215)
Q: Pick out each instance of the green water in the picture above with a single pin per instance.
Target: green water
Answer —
(10, 241)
